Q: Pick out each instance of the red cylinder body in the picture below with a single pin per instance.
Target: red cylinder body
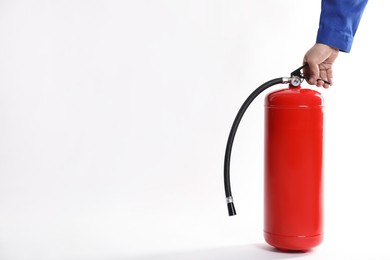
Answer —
(293, 203)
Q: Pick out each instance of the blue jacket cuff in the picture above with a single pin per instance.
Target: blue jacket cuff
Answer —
(335, 38)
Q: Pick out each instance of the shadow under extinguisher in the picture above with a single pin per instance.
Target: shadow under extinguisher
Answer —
(293, 148)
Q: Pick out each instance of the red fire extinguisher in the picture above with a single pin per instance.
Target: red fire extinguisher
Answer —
(293, 146)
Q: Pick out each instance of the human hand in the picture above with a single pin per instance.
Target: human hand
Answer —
(320, 59)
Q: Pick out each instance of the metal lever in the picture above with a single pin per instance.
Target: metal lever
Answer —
(298, 73)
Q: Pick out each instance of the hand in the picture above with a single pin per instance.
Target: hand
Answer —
(320, 59)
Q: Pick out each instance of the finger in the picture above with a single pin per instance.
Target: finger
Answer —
(306, 71)
(313, 73)
(319, 83)
(330, 76)
(323, 77)
(326, 85)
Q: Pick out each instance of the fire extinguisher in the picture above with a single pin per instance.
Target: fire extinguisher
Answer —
(293, 147)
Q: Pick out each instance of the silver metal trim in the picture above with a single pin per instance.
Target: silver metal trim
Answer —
(229, 199)
(286, 80)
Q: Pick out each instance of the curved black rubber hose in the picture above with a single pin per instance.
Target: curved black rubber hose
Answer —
(229, 145)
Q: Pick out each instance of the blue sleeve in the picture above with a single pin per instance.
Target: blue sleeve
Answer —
(339, 21)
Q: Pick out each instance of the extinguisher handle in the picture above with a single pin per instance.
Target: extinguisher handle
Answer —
(298, 73)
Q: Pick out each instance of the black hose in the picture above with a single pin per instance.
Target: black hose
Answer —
(233, 130)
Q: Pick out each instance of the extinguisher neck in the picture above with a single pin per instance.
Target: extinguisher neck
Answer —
(293, 86)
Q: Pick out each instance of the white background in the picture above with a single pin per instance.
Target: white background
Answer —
(114, 117)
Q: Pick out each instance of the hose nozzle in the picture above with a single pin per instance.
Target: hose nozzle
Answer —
(230, 205)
